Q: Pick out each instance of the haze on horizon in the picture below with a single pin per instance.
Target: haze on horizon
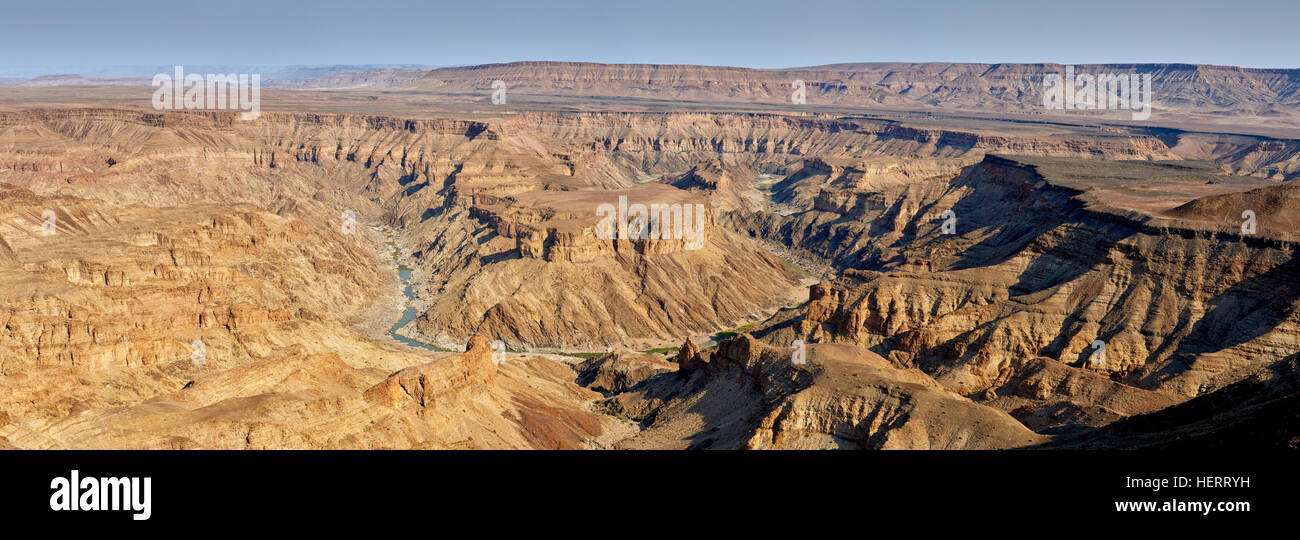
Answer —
(62, 35)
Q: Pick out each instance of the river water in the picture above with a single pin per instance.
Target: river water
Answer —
(409, 315)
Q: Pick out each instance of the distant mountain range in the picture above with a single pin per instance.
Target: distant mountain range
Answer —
(272, 76)
(1202, 89)
(965, 86)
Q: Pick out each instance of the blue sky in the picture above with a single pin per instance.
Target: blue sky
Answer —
(755, 33)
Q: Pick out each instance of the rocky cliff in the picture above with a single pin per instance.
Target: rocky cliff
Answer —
(747, 394)
(991, 283)
(1039, 273)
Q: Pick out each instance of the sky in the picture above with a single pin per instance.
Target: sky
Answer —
(47, 34)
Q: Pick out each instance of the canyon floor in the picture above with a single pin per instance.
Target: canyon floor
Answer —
(619, 260)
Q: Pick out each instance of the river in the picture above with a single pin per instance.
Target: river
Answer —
(409, 315)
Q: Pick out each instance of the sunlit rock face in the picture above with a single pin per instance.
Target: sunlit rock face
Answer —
(189, 280)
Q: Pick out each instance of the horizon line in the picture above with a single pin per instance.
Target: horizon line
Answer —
(42, 70)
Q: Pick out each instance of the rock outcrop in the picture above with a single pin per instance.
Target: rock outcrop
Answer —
(227, 326)
(748, 394)
(1254, 413)
(619, 371)
(1047, 264)
(440, 384)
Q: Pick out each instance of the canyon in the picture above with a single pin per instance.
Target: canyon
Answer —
(919, 259)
